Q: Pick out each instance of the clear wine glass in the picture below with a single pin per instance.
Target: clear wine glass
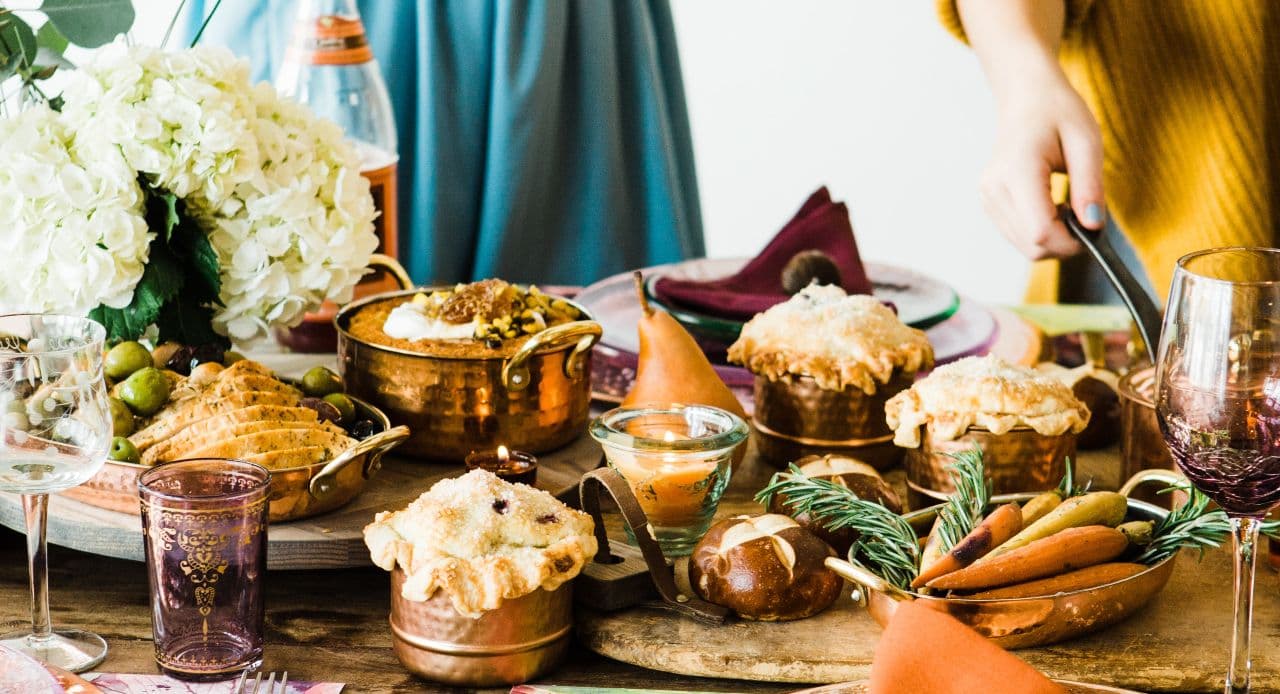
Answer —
(55, 429)
(1218, 401)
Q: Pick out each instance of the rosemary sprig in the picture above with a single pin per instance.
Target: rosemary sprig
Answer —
(967, 505)
(886, 544)
(1192, 525)
(1067, 486)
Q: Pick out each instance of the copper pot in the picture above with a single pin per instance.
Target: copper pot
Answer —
(537, 400)
(795, 417)
(1142, 447)
(1021, 622)
(296, 492)
(520, 640)
(1020, 460)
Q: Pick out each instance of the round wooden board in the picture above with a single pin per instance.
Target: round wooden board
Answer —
(330, 541)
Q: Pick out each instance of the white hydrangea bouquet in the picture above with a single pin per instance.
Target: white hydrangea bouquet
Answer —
(166, 189)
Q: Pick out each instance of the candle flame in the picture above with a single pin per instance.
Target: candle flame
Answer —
(669, 437)
(503, 454)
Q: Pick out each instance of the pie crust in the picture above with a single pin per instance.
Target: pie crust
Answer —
(985, 392)
(839, 340)
(481, 540)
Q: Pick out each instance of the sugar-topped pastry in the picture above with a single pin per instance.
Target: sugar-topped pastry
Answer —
(481, 540)
(986, 392)
(839, 340)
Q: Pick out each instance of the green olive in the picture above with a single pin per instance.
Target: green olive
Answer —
(124, 451)
(145, 391)
(121, 418)
(346, 408)
(124, 359)
(320, 381)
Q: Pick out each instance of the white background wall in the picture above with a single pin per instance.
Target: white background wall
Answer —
(871, 98)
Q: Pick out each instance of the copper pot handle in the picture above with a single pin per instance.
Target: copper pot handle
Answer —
(321, 484)
(865, 580)
(382, 261)
(1141, 477)
(515, 373)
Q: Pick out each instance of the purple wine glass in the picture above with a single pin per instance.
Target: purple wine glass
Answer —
(204, 523)
(1218, 401)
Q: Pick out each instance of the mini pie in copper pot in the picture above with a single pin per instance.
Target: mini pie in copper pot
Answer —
(850, 473)
(764, 567)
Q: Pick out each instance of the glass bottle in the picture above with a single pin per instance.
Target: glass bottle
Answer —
(329, 66)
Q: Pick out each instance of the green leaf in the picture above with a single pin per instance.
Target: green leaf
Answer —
(184, 319)
(90, 23)
(189, 243)
(48, 37)
(162, 280)
(17, 38)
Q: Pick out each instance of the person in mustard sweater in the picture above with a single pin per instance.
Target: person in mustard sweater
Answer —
(1164, 115)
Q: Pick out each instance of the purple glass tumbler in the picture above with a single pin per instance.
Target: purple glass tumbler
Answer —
(204, 523)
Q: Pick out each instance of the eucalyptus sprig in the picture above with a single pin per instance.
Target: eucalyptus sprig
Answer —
(886, 545)
(967, 505)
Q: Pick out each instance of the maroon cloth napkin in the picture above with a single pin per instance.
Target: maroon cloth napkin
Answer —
(820, 225)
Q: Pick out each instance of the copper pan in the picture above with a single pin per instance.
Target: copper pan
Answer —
(1025, 622)
(536, 400)
(296, 492)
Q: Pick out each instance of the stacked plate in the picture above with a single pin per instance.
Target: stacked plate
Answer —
(956, 327)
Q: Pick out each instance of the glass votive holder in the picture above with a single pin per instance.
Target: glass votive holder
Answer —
(204, 524)
(510, 465)
(676, 460)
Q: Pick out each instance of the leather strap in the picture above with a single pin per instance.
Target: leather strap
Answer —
(608, 480)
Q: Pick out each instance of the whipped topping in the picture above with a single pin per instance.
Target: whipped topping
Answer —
(409, 321)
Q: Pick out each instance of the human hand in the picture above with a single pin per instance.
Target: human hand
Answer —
(1044, 127)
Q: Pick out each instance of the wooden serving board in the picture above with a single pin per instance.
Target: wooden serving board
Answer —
(329, 541)
(1178, 642)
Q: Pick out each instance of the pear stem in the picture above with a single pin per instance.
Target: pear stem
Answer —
(644, 300)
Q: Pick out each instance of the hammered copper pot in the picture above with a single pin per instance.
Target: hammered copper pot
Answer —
(795, 417)
(1142, 447)
(1020, 460)
(1021, 622)
(537, 400)
(520, 640)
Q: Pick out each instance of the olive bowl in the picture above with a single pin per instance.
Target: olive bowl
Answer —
(296, 492)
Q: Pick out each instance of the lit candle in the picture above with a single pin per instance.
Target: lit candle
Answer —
(512, 466)
(676, 462)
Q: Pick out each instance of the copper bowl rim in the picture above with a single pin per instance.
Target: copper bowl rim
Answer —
(344, 315)
(1151, 511)
(379, 417)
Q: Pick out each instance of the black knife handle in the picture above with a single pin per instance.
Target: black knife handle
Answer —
(1143, 309)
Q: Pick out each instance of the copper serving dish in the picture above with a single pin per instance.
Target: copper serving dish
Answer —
(1142, 447)
(794, 417)
(520, 640)
(1020, 460)
(1025, 622)
(296, 492)
(537, 400)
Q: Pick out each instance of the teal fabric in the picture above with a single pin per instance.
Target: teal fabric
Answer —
(540, 141)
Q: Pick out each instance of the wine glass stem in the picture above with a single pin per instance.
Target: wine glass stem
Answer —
(1245, 539)
(36, 508)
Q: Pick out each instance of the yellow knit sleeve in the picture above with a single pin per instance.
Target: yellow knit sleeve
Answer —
(949, 16)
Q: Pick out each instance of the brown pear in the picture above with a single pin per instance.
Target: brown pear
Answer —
(673, 369)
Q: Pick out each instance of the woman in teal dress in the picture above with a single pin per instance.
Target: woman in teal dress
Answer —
(540, 140)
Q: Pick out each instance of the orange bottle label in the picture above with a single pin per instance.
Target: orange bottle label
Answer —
(332, 40)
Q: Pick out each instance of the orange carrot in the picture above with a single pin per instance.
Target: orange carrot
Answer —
(1068, 550)
(1000, 525)
(1080, 579)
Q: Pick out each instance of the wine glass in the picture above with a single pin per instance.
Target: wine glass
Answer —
(54, 434)
(1218, 401)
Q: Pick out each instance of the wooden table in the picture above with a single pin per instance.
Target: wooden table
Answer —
(322, 625)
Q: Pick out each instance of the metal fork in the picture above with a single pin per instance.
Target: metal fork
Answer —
(273, 687)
